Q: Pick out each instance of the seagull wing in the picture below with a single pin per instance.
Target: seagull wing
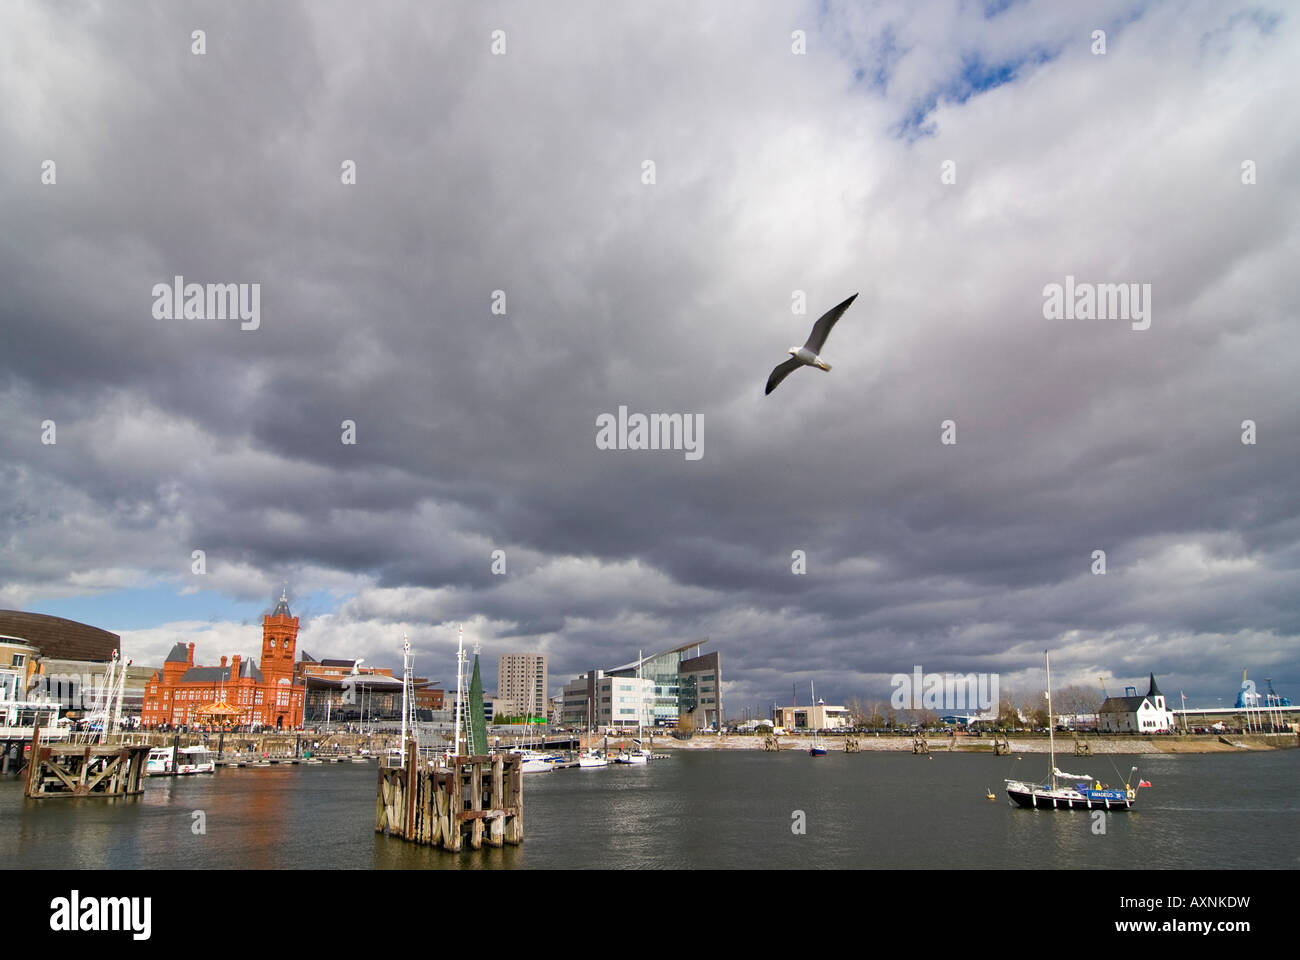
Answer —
(780, 372)
(822, 328)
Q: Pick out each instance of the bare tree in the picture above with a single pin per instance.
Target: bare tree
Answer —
(1007, 716)
(1076, 700)
(857, 712)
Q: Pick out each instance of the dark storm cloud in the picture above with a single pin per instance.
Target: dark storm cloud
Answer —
(774, 173)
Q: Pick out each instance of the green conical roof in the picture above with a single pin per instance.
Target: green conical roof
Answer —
(478, 725)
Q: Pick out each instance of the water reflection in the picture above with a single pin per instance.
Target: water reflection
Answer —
(698, 809)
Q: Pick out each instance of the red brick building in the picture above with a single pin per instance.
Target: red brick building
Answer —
(268, 696)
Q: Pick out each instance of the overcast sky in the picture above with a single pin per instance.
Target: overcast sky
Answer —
(524, 171)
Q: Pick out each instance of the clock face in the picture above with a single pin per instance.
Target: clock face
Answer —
(272, 644)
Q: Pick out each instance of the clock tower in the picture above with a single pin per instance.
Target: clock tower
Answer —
(279, 643)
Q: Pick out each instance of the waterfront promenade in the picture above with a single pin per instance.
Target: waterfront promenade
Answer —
(1020, 743)
(252, 747)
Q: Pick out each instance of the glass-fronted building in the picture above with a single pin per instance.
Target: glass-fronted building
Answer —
(675, 689)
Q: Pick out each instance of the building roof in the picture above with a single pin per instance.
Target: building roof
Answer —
(1122, 704)
(369, 681)
(247, 668)
(654, 656)
(337, 663)
(307, 657)
(1131, 704)
(59, 637)
(180, 654)
(205, 674)
(282, 608)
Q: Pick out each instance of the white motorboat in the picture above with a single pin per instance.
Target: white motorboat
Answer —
(638, 756)
(192, 760)
(534, 762)
(19, 719)
(592, 758)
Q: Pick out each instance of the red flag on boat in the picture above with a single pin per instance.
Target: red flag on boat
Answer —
(1144, 783)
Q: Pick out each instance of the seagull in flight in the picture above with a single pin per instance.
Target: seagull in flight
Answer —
(807, 355)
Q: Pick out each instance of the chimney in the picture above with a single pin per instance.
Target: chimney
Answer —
(234, 667)
(223, 659)
(189, 658)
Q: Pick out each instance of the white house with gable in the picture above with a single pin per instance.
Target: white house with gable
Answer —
(1135, 714)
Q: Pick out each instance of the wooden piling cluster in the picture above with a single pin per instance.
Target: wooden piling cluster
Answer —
(474, 799)
(771, 743)
(84, 770)
(851, 745)
(919, 746)
(1082, 748)
(1001, 747)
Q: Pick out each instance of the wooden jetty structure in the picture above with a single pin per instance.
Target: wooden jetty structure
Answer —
(771, 743)
(84, 770)
(1001, 748)
(473, 799)
(920, 746)
(852, 745)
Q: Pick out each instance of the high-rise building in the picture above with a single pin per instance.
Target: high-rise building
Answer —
(522, 680)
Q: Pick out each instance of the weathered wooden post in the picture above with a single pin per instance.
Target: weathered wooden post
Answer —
(476, 805)
(176, 753)
(412, 791)
(497, 826)
(515, 828)
(455, 807)
(34, 761)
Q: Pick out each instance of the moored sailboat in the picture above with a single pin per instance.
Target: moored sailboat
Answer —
(1086, 793)
(818, 748)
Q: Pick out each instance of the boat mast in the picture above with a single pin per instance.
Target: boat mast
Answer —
(121, 690)
(1051, 728)
(406, 683)
(460, 678)
(105, 704)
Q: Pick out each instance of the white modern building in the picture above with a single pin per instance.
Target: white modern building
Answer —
(605, 702)
(818, 716)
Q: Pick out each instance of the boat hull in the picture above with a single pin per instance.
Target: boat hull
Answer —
(1040, 799)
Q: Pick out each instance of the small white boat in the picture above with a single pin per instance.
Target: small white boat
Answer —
(535, 762)
(192, 760)
(641, 756)
(592, 758)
